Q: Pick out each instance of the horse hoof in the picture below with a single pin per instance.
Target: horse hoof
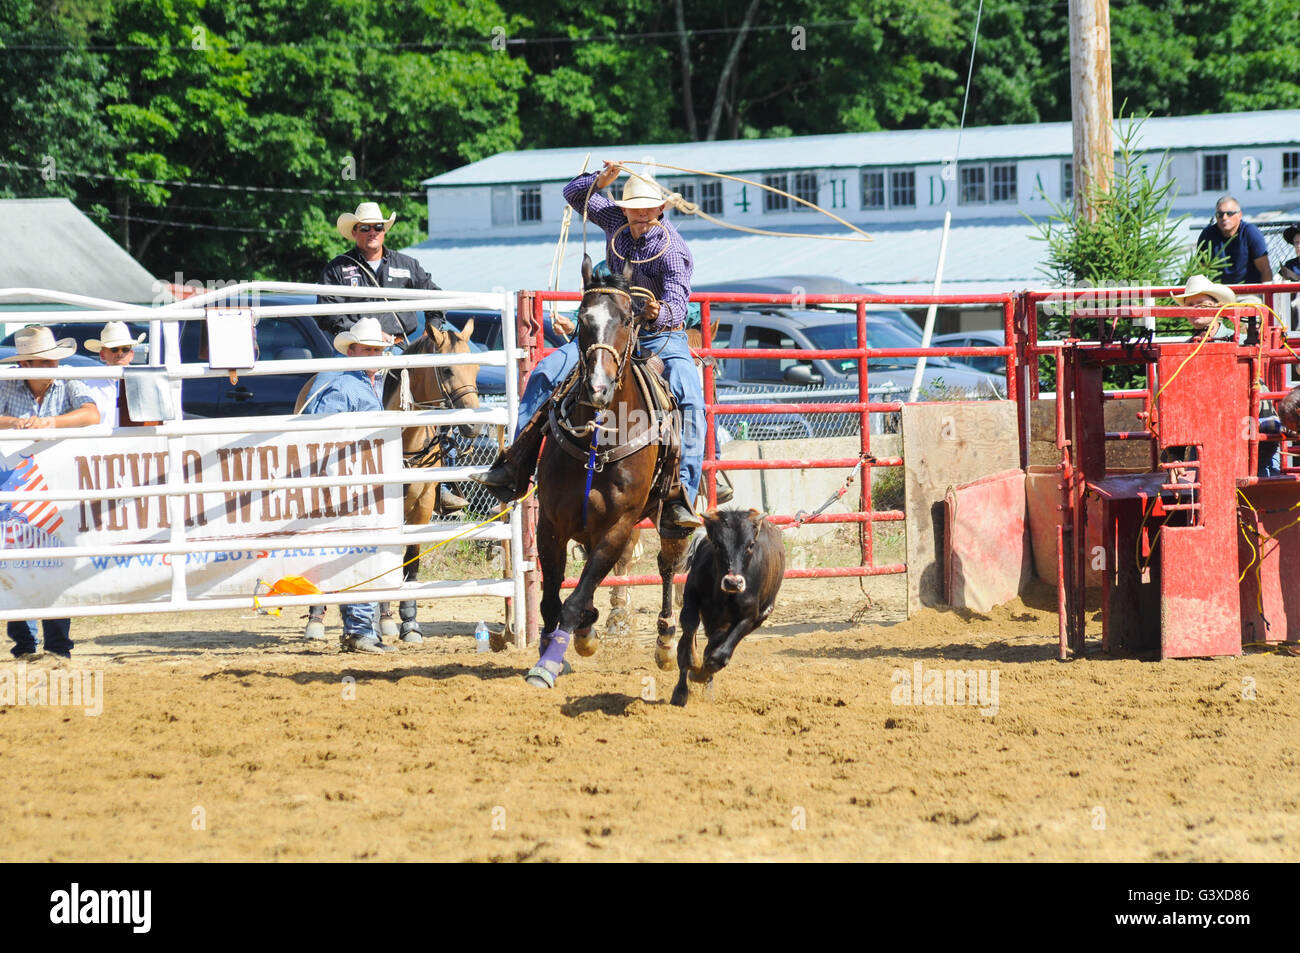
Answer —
(539, 677)
(413, 636)
(388, 627)
(619, 623)
(665, 656)
(586, 645)
(699, 676)
(315, 629)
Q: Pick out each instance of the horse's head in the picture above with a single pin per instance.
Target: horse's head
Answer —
(455, 385)
(606, 332)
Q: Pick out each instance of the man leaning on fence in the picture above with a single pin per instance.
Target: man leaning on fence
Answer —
(338, 392)
(39, 405)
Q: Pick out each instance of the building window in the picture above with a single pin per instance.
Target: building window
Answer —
(902, 188)
(1067, 181)
(873, 189)
(805, 187)
(685, 189)
(771, 201)
(972, 185)
(711, 197)
(1291, 170)
(1004, 182)
(530, 204)
(1214, 170)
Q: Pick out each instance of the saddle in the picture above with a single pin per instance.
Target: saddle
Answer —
(658, 397)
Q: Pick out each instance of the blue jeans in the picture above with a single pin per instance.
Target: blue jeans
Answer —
(683, 381)
(359, 619)
(1269, 452)
(57, 636)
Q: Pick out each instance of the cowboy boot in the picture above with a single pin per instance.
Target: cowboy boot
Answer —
(678, 517)
(513, 467)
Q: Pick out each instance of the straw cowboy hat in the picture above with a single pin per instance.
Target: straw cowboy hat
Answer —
(366, 331)
(367, 213)
(39, 344)
(641, 192)
(1200, 285)
(115, 334)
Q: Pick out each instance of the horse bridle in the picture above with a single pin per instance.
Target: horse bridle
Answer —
(620, 360)
(449, 397)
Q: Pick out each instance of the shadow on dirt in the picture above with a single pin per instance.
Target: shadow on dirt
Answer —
(955, 652)
(610, 703)
(434, 672)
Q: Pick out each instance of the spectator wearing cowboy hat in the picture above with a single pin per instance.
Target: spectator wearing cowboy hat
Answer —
(370, 265)
(1291, 270)
(38, 405)
(116, 348)
(635, 234)
(1206, 295)
(1240, 242)
(338, 392)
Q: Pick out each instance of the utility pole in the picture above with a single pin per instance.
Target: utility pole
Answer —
(1090, 99)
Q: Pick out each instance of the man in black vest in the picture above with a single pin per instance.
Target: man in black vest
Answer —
(371, 265)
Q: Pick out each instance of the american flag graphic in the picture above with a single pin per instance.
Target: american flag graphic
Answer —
(26, 477)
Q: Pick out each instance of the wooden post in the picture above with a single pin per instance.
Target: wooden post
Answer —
(1090, 99)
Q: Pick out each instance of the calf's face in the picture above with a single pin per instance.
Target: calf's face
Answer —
(733, 535)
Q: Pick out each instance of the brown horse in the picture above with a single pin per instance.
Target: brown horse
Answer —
(622, 477)
(619, 621)
(430, 388)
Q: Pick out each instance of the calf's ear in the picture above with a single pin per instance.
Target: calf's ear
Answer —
(754, 516)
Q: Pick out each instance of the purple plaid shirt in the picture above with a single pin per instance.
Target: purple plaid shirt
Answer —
(668, 276)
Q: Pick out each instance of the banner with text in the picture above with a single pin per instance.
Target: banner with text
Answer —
(247, 518)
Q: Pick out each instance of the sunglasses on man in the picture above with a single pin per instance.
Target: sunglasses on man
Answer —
(370, 228)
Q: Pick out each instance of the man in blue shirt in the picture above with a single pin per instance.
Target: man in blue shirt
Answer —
(635, 233)
(1240, 242)
(40, 405)
(339, 392)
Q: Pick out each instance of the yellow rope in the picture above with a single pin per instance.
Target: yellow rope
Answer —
(691, 208)
(423, 552)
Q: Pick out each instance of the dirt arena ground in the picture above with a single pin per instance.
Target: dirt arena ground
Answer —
(225, 736)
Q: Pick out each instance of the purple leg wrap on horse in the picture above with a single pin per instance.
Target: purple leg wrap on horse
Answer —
(554, 645)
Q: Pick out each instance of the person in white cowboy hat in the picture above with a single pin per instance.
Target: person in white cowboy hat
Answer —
(1202, 293)
(636, 234)
(370, 265)
(37, 405)
(116, 348)
(337, 392)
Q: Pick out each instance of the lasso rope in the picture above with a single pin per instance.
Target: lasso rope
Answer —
(676, 200)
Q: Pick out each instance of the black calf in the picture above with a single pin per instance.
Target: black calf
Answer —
(734, 578)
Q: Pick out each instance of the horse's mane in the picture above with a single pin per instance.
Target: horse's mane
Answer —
(422, 345)
(608, 280)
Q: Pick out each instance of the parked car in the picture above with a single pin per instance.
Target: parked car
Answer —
(989, 364)
(788, 380)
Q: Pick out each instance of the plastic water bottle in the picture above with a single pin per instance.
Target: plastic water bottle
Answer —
(481, 636)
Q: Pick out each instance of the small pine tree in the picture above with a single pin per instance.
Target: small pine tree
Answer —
(1132, 241)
